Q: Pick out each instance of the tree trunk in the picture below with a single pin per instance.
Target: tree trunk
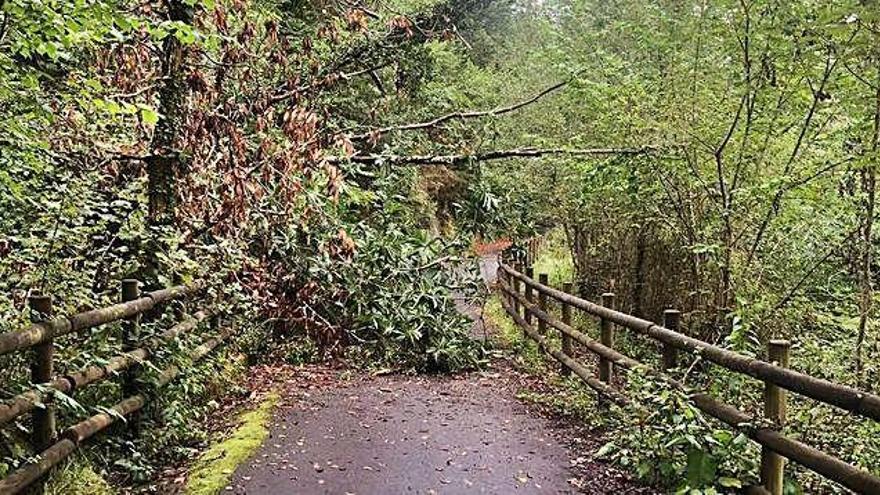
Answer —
(163, 170)
(866, 287)
(639, 274)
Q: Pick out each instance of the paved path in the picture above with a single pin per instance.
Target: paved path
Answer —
(391, 435)
(489, 263)
(488, 271)
(428, 435)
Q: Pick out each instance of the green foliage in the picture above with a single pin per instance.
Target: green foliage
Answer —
(764, 114)
(753, 217)
(174, 417)
(662, 435)
(569, 397)
(508, 336)
(554, 259)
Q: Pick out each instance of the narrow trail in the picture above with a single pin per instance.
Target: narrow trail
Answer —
(428, 434)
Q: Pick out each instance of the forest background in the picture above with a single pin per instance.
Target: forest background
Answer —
(715, 156)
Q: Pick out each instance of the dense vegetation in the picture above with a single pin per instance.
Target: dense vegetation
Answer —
(311, 161)
(174, 141)
(755, 217)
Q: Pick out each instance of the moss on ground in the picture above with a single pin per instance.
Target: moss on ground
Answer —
(78, 477)
(215, 466)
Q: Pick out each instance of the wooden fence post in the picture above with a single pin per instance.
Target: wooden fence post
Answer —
(671, 320)
(534, 249)
(772, 464)
(503, 280)
(542, 303)
(130, 334)
(566, 318)
(511, 284)
(530, 252)
(514, 287)
(607, 338)
(42, 369)
(501, 275)
(530, 295)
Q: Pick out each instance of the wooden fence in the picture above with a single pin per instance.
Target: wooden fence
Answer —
(51, 447)
(519, 289)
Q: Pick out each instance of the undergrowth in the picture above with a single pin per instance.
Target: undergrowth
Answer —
(508, 336)
(554, 259)
(78, 476)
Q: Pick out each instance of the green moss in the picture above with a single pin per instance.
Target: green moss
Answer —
(214, 468)
(78, 477)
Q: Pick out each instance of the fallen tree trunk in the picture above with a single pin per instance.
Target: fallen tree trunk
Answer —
(487, 156)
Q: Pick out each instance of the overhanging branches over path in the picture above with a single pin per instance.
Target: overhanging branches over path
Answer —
(375, 133)
(489, 156)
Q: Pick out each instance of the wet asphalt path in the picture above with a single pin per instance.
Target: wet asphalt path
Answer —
(424, 435)
(388, 435)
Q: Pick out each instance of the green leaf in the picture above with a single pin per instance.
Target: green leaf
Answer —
(700, 468)
(727, 482)
(607, 449)
(148, 115)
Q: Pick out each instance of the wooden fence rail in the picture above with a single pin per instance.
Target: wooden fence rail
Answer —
(776, 376)
(42, 331)
(50, 447)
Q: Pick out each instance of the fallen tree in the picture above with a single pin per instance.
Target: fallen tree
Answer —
(465, 158)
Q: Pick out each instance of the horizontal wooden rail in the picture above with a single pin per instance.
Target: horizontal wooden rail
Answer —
(579, 369)
(73, 436)
(842, 396)
(809, 457)
(49, 447)
(28, 400)
(41, 332)
(591, 344)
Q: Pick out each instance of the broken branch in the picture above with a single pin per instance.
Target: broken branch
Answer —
(488, 156)
(460, 115)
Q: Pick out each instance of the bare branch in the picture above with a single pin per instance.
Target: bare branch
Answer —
(460, 115)
(818, 173)
(772, 209)
(809, 272)
(488, 156)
